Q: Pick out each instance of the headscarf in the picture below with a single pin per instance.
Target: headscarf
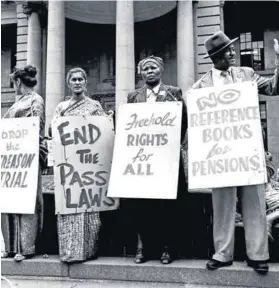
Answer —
(156, 60)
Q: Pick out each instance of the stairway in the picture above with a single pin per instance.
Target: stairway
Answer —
(116, 271)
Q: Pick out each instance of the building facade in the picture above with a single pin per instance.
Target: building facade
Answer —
(107, 39)
(108, 36)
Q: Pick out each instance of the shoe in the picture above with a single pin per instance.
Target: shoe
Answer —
(5, 254)
(166, 258)
(19, 257)
(215, 264)
(260, 267)
(140, 257)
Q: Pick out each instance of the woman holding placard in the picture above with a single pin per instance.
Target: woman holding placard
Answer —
(156, 218)
(21, 230)
(78, 234)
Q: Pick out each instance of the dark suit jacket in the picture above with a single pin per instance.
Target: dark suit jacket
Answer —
(171, 94)
(266, 86)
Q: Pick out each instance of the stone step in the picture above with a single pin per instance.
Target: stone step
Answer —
(180, 272)
(48, 282)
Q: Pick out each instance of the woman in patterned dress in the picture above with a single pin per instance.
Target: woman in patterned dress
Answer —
(78, 233)
(20, 231)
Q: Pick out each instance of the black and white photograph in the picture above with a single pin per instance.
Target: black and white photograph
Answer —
(139, 144)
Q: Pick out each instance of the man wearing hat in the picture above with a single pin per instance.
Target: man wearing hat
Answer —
(155, 221)
(221, 50)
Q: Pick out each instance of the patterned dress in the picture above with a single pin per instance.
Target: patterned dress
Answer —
(78, 234)
(24, 229)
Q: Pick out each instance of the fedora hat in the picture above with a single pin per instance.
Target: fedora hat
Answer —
(216, 43)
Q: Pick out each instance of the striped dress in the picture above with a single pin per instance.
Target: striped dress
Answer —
(78, 234)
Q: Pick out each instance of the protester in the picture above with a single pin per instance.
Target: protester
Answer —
(78, 234)
(20, 231)
(271, 196)
(156, 219)
(222, 53)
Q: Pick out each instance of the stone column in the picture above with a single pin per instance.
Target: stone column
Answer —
(33, 9)
(55, 70)
(44, 58)
(103, 67)
(125, 54)
(185, 45)
(111, 67)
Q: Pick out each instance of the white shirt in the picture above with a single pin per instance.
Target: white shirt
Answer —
(217, 77)
(151, 95)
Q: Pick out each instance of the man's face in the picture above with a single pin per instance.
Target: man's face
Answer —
(151, 73)
(226, 59)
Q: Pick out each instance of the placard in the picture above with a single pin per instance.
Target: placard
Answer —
(19, 164)
(147, 150)
(225, 137)
(82, 150)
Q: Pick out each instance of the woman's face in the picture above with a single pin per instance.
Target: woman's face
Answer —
(77, 83)
(151, 73)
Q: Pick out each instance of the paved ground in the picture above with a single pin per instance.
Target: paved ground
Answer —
(24, 282)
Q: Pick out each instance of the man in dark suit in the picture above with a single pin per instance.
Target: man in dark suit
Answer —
(156, 218)
(222, 53)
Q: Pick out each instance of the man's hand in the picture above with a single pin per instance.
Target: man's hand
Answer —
(276, 47)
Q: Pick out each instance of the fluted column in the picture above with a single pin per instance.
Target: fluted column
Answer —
(125, 51)
(34, 10)
(34, 48)
(185, 45)
(55, 70)
(104, 72)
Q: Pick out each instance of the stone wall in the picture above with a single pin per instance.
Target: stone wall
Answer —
(8, 13)
(208, 21)
(22, 31)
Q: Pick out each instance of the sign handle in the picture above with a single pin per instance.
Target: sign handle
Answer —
(18, 233)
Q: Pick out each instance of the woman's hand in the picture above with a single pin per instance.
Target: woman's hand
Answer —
(110, 115)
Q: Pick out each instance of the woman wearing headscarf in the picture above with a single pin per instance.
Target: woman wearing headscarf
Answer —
(156, 219)
(78, 234)
(20, 231)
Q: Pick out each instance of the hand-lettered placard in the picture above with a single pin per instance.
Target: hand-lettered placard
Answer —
(147, 150)
(19, 164)
(82, 149)
(225, 137)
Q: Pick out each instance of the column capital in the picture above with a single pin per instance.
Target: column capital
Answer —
(39, 7)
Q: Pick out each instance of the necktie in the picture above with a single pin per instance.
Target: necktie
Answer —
(227, 79)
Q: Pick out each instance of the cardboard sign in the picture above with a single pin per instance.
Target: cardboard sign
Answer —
(147, 150)
(19, 164)
(82, 149)
(225, 137)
